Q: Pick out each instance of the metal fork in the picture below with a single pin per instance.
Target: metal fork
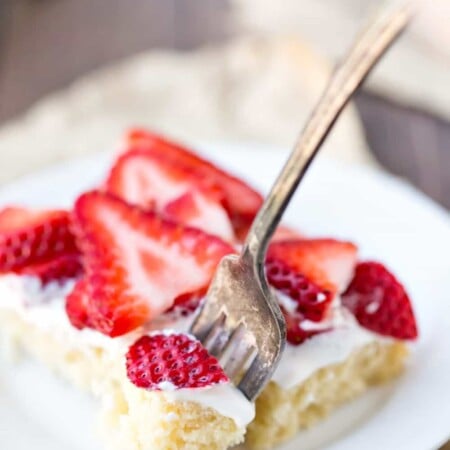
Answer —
(240, 322)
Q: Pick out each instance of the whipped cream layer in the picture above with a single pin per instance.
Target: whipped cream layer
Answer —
(44, 307)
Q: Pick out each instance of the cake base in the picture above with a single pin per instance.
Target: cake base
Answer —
(281, 413)
(130, 418)
(136, 419)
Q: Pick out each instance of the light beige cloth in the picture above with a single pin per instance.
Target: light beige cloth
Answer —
(252, 90)
(416, 71)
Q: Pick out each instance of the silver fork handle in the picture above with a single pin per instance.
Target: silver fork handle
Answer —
(363, 56)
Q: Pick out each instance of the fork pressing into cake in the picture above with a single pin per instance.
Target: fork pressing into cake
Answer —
(240, 322)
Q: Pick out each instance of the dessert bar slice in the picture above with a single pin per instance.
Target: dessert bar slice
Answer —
(104, 295)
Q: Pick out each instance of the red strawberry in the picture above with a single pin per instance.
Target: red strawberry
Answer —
(200, 211)
(241, 201)
(307, 301)
(284, 233)
(326, 262)
(28, 237)
(296, 330)
(153, 361)
(152, 180)
(77, 305)
(137, 263)
(147, 178)
(188, 303)
(311, 301)
(379, 302)
(60, 268)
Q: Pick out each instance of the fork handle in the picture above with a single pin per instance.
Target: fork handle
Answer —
(347, 77)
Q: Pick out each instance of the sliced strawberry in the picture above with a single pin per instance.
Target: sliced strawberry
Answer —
(284, 233)
(137, 263)
(28, 237)
(77, 305)
(173, 361)
(147, 178)
(309, 272)
(296, 330)
(304, 300)
(379, 302)
(200, 211)
(309, 299)
(60, 268)
(326, 262)
(241, 201)
(188, 303)
(152, 180)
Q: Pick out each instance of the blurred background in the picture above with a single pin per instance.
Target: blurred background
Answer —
(75, 73)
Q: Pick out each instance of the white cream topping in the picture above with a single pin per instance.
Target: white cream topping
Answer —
(44, 307)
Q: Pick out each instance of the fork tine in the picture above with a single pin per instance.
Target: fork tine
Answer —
(218, 336)
(238, 363)
(236, 332)
(217, 345)
(202, 326)
(232, 351)
(232, 345)
(254, 378)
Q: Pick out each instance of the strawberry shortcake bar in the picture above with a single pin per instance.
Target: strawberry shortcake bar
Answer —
(104, 295)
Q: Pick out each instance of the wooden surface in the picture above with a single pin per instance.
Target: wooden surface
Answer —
(409, 143)
(46, 44)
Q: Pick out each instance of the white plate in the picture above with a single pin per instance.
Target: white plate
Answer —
(388, 219)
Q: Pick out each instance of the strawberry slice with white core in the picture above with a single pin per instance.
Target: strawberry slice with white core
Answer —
(29, 237)
(200, 211)
(240, 200)
(310, 272)
(174, 361)
(154, 181)
(145, 178)
(328, 263)
(138, 263)
(284, 233)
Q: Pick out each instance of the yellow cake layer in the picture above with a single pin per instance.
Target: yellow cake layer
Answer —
(281, 413)
(136, 419)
